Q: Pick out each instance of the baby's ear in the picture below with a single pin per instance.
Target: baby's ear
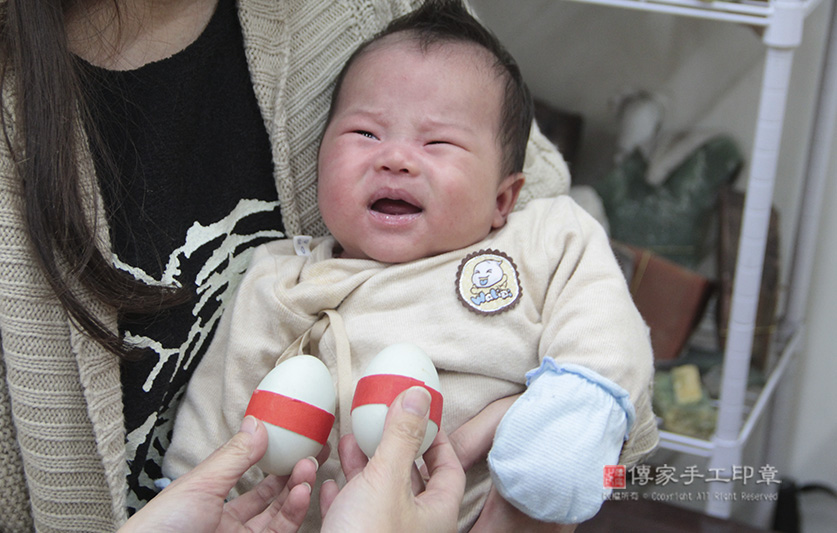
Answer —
(507, 194)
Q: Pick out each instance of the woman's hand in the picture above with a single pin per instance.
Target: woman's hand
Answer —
(472, 442)
(499, 516)
(379, 494)
(195, 501)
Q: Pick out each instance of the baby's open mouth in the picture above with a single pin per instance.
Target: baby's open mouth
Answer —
(388, 206)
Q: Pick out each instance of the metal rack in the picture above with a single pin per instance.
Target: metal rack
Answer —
(782, 22)
(754, 13)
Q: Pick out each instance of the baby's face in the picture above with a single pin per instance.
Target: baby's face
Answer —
(410, 164)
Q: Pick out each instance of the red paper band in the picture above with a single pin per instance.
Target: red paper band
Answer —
(384, 388)
(292, 414)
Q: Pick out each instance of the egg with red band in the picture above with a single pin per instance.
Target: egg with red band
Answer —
(395, 369)
(296, 402)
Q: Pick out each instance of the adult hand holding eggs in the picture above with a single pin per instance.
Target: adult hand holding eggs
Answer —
(395, 369)
(378, 495)
(196, 501)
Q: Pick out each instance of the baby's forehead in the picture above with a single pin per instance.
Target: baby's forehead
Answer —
(475, 55)
(369, 60)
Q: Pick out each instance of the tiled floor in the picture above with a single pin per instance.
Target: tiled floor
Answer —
(818, 514)
(646, 516)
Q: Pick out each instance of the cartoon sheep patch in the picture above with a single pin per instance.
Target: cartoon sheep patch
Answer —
(487, 282)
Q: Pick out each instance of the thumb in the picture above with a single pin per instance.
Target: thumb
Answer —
(404, 429)
(219, 472)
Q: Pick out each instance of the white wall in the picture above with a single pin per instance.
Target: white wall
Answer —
(813, 443)
(578, 57)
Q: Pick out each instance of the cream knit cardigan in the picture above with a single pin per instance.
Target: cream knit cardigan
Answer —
(62, 437)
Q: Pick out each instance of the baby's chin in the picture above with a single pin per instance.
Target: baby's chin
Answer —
(394, 251)
(382, 254)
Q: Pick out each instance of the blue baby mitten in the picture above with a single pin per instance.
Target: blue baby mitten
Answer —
(552, 445)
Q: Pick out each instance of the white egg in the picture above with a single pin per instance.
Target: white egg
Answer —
(296, 402)
(395, 369)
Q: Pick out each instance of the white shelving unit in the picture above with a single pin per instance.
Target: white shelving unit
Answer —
(782, 22)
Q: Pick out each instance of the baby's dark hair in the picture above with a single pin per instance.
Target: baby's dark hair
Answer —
(443, 21)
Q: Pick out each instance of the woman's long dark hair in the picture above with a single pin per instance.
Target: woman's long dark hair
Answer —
(45, 142)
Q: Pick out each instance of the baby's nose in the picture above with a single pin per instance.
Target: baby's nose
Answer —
(397, 158)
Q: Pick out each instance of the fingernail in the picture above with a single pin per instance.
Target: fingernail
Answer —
(314, 460)
(416, 401)
(249, 425)
(307, 485)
